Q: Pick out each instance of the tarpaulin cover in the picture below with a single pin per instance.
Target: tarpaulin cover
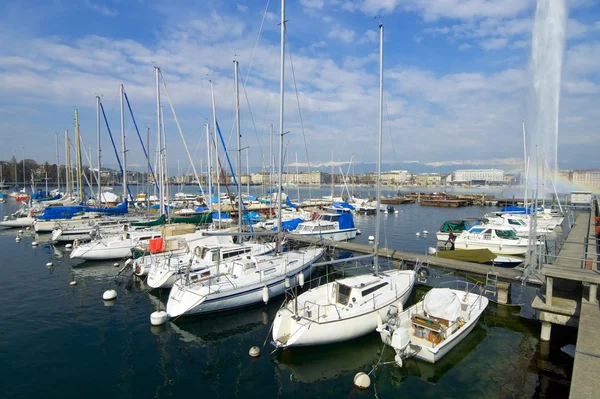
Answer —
(60, 212)
(343, 205)
(442, 303)
(346, 221)
(518, 209)
(290, 225)
(253, 217)
(289, 203)
(250, 198)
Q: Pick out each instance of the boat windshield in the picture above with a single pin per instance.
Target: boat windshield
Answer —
(507, 234)
(515, 222)
(343, 294)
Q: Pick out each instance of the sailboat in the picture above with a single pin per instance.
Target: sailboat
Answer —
(253, 279)
(349, 307)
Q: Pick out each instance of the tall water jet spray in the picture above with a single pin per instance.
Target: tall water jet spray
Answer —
(547, 48)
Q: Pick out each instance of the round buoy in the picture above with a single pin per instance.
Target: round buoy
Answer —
(49, 264)
(18, 239)
(358, 231)
(362, 380)
(425, 232)
(109, 295)
(371, 238)
(417, 234)
(158, 318)
(254, 351)
(20, 231)
(27, 228)
(265, 294)
(72, 283)
(34, 243)
(69, 246)
(116, 264)
(431, 251)
(301, 280)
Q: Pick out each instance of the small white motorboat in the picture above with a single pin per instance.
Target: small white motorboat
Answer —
(430, 329)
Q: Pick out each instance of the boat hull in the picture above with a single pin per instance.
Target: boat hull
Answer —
(19, 222)
(338, 235)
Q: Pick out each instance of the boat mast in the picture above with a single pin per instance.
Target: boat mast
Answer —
(379, 146)
(24, 169)
(148, 169)
(78, 155)
(297, 179)
(281, 98)
(216, 140)
(67, 161)
(98, 145)
(123, 144)
(525, 165)
(270, 170)
(236, 67)
(57, 165)
(332, 179)
(165, 181)
(158, 124)
(209, 168)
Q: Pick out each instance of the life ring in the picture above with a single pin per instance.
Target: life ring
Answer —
(423, 272)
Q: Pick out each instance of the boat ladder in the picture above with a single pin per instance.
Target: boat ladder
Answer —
(491, 283)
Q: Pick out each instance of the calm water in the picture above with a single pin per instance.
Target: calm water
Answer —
(65, 342)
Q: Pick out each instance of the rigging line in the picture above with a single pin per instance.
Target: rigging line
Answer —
(301, 123)
(181, 133)
(389, 127)
(262, 156)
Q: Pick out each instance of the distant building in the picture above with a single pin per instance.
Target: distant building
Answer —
(478, 176)
(428, 179)
(510, 179)
(566, 175)
(587, 177)
(394, 177)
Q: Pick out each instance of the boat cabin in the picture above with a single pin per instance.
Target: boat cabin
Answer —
(357, 290)
(488, 233)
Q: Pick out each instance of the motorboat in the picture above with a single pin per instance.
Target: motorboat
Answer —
(499, 240)
(432, 327)
(166, 270)
(456, 227)
(332, 226)
(242, 282)
(342, 310)
(113, 247)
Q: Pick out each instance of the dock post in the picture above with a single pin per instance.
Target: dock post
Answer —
(546, 329)
(593, 294)
(548, 292)
(503, 292)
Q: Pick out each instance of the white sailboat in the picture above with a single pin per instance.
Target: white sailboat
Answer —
(430, 329)
(349, 307)
(113, 247)
(253, 279)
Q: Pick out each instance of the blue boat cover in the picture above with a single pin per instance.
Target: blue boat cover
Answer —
(250, 198)
(39, 195)
(60, 212)
(288, 202)
(518, 209)
(289, 225)
(346, 221)
(109, 210)
(252, 217)
(342, 205)
(57, 196)
(200, 209)
(224, 215)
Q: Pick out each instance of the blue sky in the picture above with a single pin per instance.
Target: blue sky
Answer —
(457, 80)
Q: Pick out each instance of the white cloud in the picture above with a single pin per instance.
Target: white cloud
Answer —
(242, 7)
(312, 4)
(494, 44)
(432, 10)
(464, 47)
(343, 34)
(370, 36)
(102, 9)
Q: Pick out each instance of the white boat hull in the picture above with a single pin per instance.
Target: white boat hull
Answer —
(498, 249)
(19, 222)
(337, 235)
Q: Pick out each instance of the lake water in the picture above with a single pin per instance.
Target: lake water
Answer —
(60, 341)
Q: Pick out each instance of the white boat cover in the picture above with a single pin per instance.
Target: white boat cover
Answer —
(109, 197)
(442, 303)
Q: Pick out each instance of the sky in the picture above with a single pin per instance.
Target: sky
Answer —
(457, 80)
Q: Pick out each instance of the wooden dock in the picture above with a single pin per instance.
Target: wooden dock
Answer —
(504, 274)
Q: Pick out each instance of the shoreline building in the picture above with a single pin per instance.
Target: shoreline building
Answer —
(478, 176)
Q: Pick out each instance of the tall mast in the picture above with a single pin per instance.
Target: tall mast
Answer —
(209, 167)
(23, 169)
(379, 146)
(67, 162)
(57, 165)
(217, 166)
(165, 181)
(159, 148)
(281, 95)
(123, 144)
(270, 169)
(525, 166)
(236, 67)
(297, 179)
(78, 155)
(99, 149)
(247, 174)
(332, 179)
(148, 168)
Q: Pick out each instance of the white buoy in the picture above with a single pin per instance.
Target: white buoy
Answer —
(34, 243)
(116, 264)
(265, 292)
(371, 238)
(158, 318)
(27, 228)
(18, 239)
(301, 280)
(418, 234)
(20, 231)
(109, 295)
(72, 283)
(396, 211)
(49, 264)
(69, 246)
(362, 380)
(358, 231)
(431, 251)
(425, 232)
(254, 351)
(287, 282)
